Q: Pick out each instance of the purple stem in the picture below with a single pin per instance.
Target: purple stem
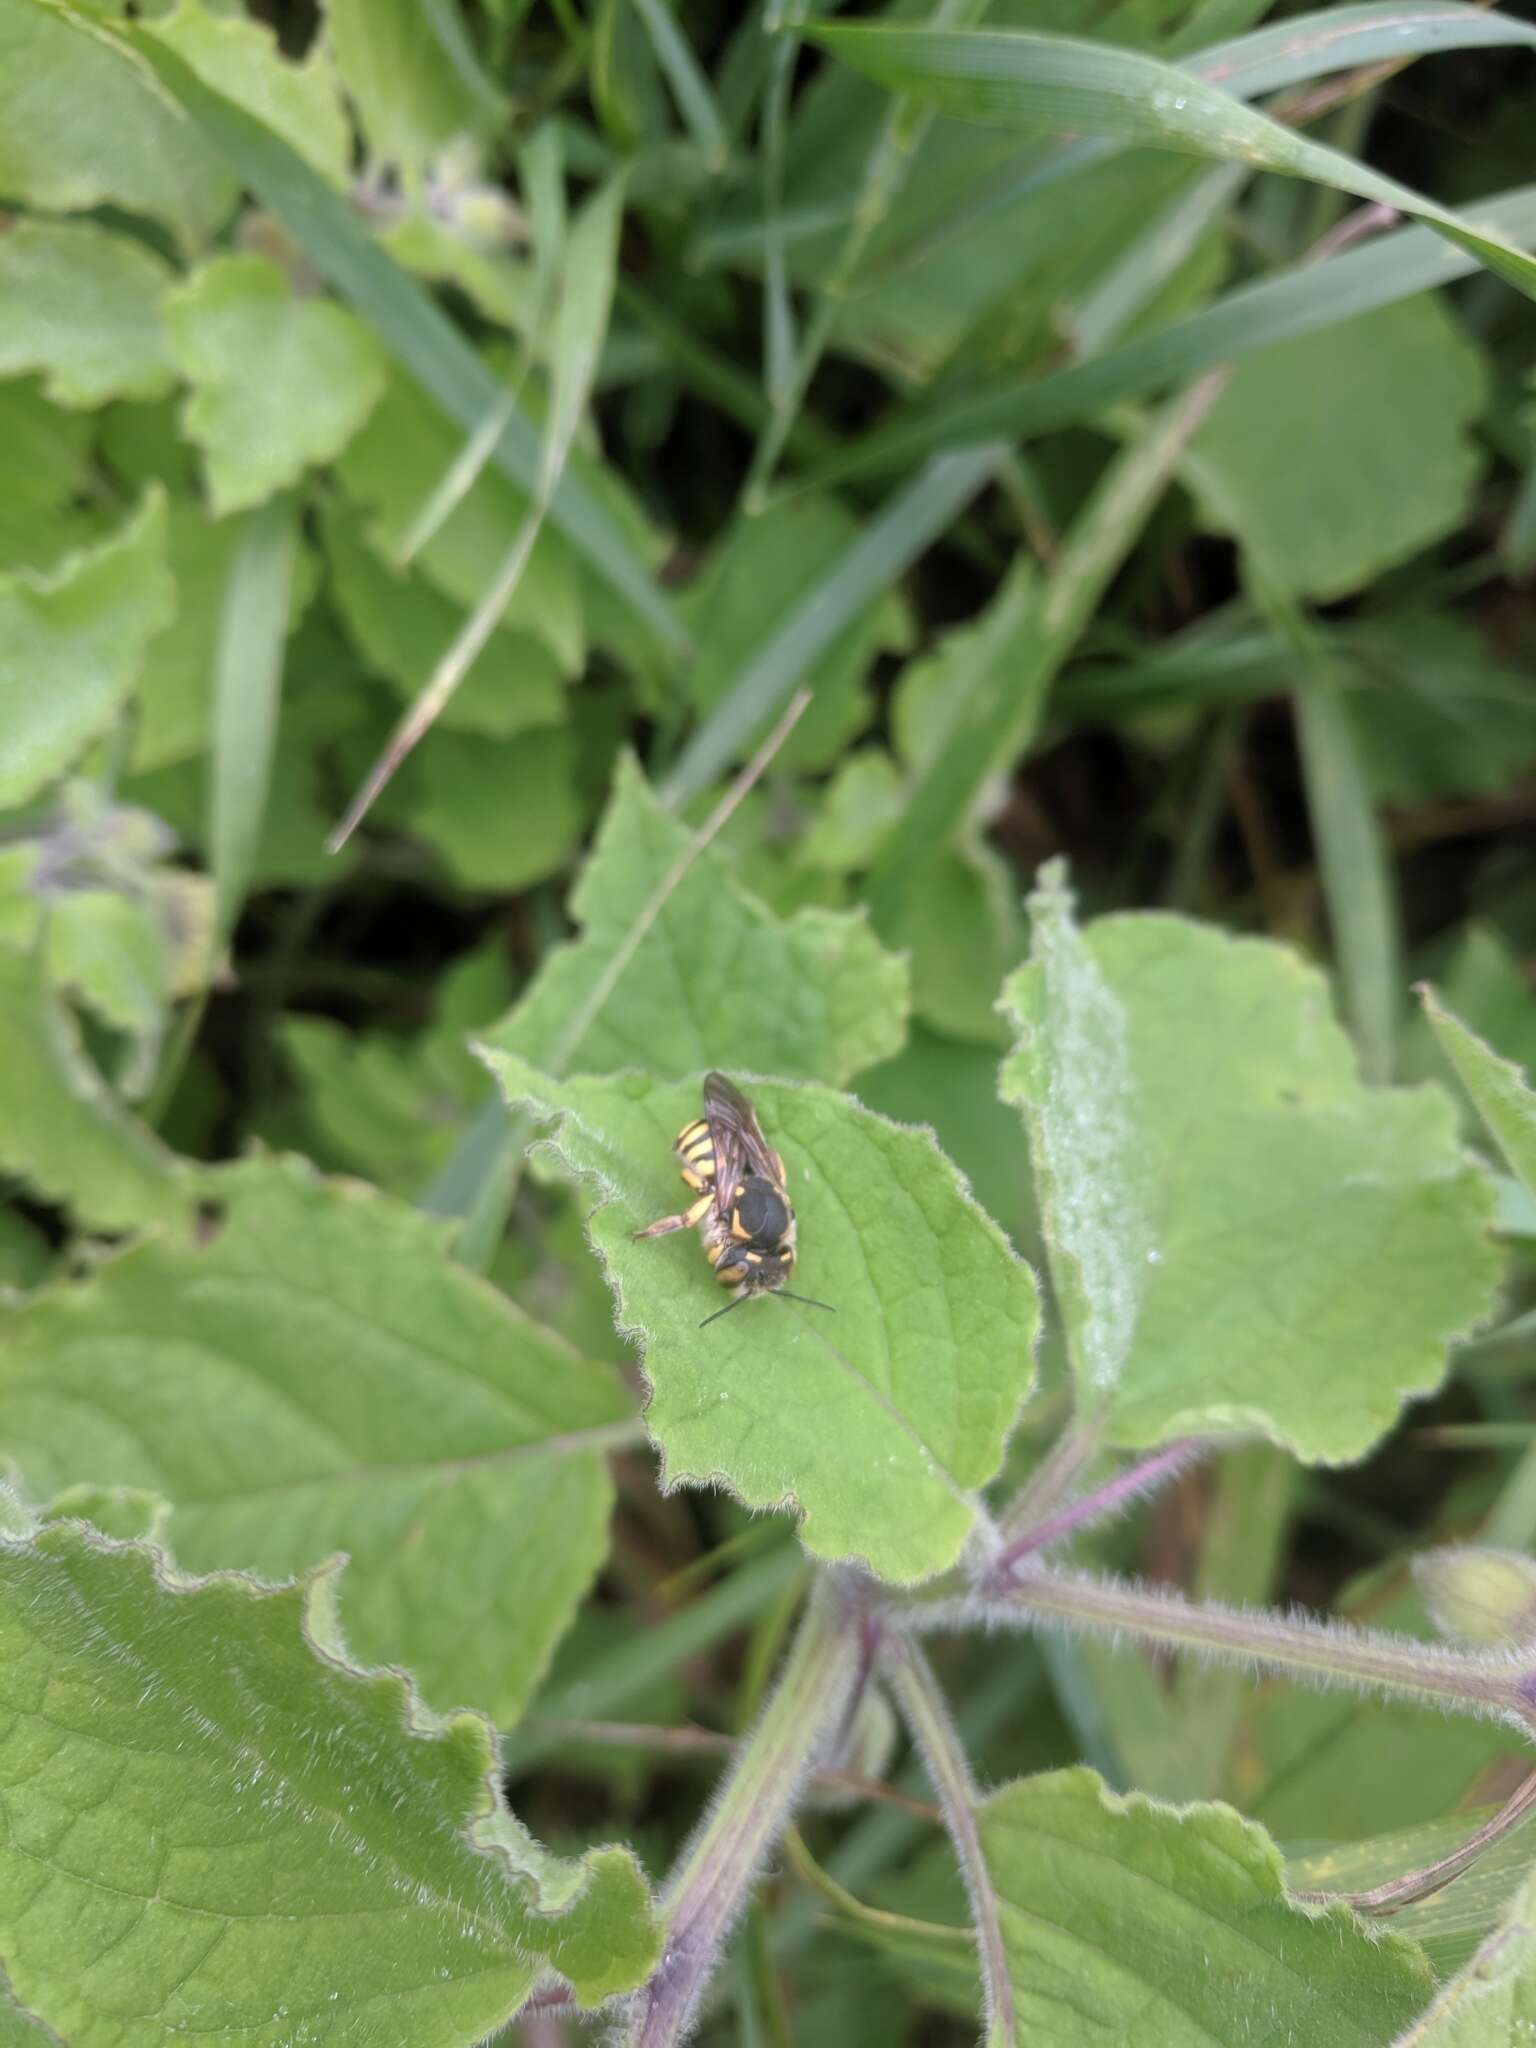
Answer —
(1107, 1499)
(800, 1724)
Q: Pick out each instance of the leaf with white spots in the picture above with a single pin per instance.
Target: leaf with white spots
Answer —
(1242, 1235)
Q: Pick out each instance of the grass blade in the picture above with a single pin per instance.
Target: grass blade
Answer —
(1304, 300)
(886, 548)
(406, 319)
(1029, 634)
(247, 684)
(581, 322)
(690, 88)
(1357, 880)
(1020, 79)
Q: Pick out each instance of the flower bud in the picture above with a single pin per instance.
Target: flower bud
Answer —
(1479, 1595)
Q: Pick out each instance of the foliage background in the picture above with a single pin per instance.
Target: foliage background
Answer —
(1118, 503)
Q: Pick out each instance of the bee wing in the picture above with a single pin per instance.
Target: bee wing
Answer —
(738, 1142)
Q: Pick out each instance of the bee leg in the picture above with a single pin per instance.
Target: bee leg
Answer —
(686, 1221)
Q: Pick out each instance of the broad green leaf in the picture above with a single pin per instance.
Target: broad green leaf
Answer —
(922, 1365)
(710, 976)
(1058, 83)
(44, 511)
(500, 814)
(72, 645)
(1497, 1087)
(952, 1087)
(134, 151)
(239, 58)
(217, 1822)
(958, 919)
(83, 308)
(1124, 1919)
(402, 626)
(111, 950)
(411, 101)
(279, 381)
(1368, 495)
(1242, 1235)
(321, 1377)
(1492, 2002)
(61, 1130)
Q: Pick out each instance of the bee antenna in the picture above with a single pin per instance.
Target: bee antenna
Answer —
(805, 1298)
(719, 1312)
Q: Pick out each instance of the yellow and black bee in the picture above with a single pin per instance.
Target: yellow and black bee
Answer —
(742, 1213)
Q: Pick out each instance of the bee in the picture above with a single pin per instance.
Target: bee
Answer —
(742, 1214)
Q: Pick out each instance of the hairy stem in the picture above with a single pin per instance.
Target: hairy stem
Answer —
(1053, 1478)
(1491, 1683)
(1117, 1493)
(927, 1716)
(802, 1720)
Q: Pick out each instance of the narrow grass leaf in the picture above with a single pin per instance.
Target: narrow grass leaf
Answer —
(690, 87)
(1305, 300)
(247, 688)
(907, 524)
(1497, 1087)
(1055, 82)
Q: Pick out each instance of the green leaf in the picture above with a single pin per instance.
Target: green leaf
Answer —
(761, 567)
(1492, 2003)
(1124, 1919)
(871, 563)
(1057, 83)
(239, 58)
(61, 1129)
(464, 792)
(42, 509)
(134, 151)
(711, 976)
(218, 1822)
(109, 949)
(72, 646)
(247, 688)
(417, 333)
(82, 307)
(372, 1397)
(412, 102)
(1368, 496)
(1310, 298)
(1497, 1087)
(1241, 1234)
(923, 1364)
(392, 469)
(279, 382)
(401, 626)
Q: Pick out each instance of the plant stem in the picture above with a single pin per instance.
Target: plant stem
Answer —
(1490, 1683)
(926, 1713)
(1107, 1499)
(1054, 1477)
(1398, 1892)
(802, 1720)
